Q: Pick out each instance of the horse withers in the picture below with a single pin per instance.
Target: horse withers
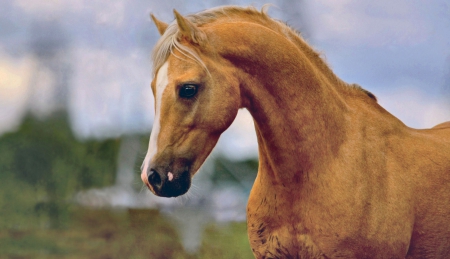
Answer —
(338, 177)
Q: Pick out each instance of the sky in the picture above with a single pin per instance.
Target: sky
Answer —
(93, 58)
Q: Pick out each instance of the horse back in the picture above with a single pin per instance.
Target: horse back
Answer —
(442, 125)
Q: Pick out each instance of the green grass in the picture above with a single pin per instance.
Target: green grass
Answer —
(108, 234)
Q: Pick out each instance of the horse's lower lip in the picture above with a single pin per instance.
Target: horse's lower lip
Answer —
(172, 192)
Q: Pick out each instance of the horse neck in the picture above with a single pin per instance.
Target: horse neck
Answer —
(298, 109)
(296, 131)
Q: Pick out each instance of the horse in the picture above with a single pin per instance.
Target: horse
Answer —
(338, 175)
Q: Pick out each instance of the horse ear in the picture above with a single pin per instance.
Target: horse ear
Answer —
(188, 30)
(161, 26)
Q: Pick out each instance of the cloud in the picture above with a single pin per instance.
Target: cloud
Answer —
(414, 107)
(105, 12)
(239, 141)
(110, 93)
(367, 22)
(14, 79)
(48, 7)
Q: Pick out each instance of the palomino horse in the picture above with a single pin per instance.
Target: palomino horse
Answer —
(339, 177)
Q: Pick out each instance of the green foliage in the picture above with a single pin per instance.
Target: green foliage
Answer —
(42, 165)
(241, 173)
(44, 161)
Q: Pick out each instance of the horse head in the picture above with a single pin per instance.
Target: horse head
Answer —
(197, 97)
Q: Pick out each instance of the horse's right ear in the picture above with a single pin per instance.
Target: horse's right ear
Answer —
(188, 30)
(161, 26)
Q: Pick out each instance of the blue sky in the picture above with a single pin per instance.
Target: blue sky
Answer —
(399, 50)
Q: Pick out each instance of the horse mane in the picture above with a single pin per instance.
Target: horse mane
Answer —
(358, 87)
(223, 14)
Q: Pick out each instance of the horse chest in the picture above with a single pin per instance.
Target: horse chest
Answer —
(281, 242)
(279, 228)
(269, 240)
(276, 232)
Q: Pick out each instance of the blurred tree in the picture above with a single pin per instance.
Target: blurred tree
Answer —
(45, 155)
(241, 173)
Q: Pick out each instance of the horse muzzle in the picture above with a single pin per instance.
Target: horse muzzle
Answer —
(167, 183)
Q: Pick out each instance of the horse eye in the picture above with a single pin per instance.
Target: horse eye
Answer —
(188, 91)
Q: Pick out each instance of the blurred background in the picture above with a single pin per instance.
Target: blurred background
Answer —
(76, 112)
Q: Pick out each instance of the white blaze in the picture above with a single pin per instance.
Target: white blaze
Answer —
(161, 82)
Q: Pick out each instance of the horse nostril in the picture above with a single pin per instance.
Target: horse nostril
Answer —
(154, 179)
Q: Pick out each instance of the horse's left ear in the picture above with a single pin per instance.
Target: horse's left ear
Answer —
(188, 30)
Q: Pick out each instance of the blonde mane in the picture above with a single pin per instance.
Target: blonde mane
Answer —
(169, 40)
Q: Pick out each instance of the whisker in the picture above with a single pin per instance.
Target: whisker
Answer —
(137, 182)
(195, 193)
(142, 155)
(194, 188)
(142, 188)
(181, 200)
